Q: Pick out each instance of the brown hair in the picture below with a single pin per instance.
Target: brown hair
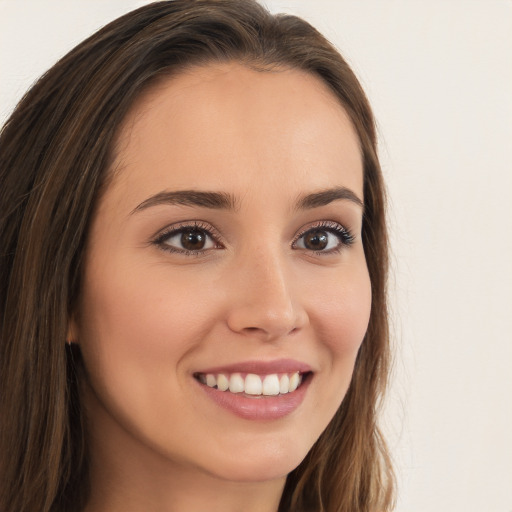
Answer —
(55, 153)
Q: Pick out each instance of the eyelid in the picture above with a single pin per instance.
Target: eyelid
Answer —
(159, 238)
(344, 234)
(333, 227)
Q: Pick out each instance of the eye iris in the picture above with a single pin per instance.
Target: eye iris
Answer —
(316, 240)
(193, 240)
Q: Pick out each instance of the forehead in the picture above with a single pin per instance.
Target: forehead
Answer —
(220, 125)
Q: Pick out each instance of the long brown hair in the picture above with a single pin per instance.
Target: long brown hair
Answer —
(55, 154)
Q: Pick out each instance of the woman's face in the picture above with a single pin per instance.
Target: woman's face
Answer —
(225, 252)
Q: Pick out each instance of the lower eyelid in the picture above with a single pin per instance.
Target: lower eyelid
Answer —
(162, 240)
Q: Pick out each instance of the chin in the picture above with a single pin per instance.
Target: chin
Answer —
(268, 463)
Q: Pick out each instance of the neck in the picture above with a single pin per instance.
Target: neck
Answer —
(179, 492)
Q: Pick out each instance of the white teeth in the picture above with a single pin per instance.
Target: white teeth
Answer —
(268, 385)
(211, 381)
(271, 385)
(222, 382)
(294, 382)
(236, 383)
(253, 385)
(284, 384)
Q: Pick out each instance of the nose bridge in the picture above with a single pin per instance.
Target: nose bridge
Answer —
(266, 301)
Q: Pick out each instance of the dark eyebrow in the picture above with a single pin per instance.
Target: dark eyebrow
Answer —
(215, 200)
(325, 197)
(225, 201)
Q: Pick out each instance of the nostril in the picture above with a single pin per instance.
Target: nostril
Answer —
(264, 319)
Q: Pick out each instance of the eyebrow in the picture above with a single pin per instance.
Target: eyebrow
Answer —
(214, 200)
(225, 201)
(324, 197)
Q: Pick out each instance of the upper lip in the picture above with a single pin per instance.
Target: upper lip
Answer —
(261, 367)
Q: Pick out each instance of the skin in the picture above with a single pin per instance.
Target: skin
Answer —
(149, 318)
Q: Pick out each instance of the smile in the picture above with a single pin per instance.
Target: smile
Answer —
(252, 384)
(257, 390)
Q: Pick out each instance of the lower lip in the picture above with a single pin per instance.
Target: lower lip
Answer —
(260, 407)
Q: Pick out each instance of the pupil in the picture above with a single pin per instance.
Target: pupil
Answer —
(193, 240)
(316, 240)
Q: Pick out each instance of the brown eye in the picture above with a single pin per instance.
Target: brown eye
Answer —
(316, 240)
(186, 240)
(325, 238)
(193, 240)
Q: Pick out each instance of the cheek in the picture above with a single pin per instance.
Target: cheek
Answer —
(137, 329)
(340, 322)
(136, 326)
(342, 311)
(140, 305)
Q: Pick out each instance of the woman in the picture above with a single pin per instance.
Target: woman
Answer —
(193, 273)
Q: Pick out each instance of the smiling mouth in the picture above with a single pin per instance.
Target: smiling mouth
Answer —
(253, 385)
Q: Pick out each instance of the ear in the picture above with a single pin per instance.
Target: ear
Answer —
(72, 333)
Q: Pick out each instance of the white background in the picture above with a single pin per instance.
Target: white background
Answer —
(439, 75)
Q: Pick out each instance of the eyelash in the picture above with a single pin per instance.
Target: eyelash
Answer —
(345, 237)
(183, 228)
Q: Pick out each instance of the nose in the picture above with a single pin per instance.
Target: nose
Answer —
(265, 301)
